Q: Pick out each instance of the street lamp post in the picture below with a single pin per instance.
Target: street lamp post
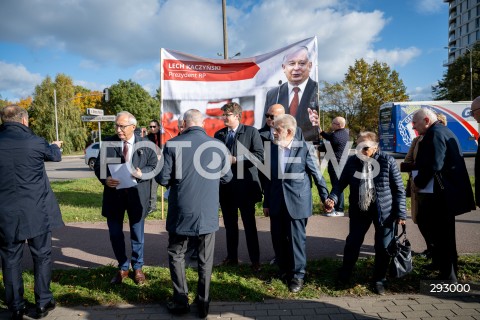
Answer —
(471, 68)
(225, 36)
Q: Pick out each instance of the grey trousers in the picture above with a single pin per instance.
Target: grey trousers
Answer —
(177, 246)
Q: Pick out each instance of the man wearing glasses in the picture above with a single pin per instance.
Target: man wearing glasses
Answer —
(475, 113)
(155, 137)
(134, 199)
(338, 139)
(241, 193)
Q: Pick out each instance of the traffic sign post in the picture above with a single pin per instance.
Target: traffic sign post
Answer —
(97, 118)
(95, 112)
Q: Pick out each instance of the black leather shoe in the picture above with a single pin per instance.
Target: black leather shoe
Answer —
(203, 309)
(295, 285)
(379, 288)
(175, 308)
(18, 314)
(430, 267)
(229, 262)
(43, 311)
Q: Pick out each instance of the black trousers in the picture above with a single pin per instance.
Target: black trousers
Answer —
(358, 227)
(230, 220)
(177, 246)
(442, 232)
(11, 254)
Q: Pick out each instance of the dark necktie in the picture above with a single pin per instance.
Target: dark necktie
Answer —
(295, 101)
(125, 150)
(230, 139)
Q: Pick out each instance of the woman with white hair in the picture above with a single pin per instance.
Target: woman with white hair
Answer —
(377, 196)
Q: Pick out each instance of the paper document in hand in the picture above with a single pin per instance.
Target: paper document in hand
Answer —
(120, 172)
(428, 188)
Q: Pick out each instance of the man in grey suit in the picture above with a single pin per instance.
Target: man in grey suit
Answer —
(124, 147)
(288, 199)
(192, 205)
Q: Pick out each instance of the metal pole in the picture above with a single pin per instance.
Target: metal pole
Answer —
(56, 118)
(225, 36)
(471, 75)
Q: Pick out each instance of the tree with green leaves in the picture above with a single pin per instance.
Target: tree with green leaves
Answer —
(71, 130)
(359, 96)
(130, 96)
(455, 84)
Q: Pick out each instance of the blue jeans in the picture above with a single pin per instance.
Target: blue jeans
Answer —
(117, 238)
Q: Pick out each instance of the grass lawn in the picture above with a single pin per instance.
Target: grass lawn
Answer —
(80, 201)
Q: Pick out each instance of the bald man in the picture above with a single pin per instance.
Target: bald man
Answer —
(338, 139)
(266, 132)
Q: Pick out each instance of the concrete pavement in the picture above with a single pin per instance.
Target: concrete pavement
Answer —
(86, 245)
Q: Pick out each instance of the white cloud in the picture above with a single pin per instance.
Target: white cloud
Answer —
(90, 85)
(123, 33)
(17, 80)
(421, 93)
(429, 6)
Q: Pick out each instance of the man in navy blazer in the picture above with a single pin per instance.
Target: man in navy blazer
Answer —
(139, 155)
(244, 144)
(297, 66)
(28, 211)
(192, 206)
(288, 199)
(440, 159)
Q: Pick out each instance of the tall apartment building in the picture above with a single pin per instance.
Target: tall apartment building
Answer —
(463, 27)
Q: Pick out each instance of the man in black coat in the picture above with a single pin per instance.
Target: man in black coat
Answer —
(28, 211)
(192, 206)
(299, 93)
(441, 165)
(245, 146)
(475, 112)
(138, 154)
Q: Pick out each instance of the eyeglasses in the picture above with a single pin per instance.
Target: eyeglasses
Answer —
(269, 116)
(473, 110)
(336, 123)
(226, 115)
(153, 126)
(122, 127)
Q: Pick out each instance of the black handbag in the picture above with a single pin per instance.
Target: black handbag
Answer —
(400, 250)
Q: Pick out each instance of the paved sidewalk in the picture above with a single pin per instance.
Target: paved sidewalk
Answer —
(386, 307)
(87, 245)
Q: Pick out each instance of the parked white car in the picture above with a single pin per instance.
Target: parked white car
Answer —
(91, 154)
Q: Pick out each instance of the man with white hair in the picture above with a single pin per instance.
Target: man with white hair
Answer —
(135, 199)
(288, 199)
(440, 163)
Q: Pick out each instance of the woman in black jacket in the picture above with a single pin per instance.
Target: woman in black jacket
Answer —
(377, 195)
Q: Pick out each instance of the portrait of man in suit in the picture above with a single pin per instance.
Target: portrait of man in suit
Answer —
(299, 92)
(288, 199)
(134, 200)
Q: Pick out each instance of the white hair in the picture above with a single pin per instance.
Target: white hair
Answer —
(130, 117)
(426, 113)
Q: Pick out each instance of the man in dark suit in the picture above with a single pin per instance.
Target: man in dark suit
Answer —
(475, 112)
(266, 132)
(288, 199)
(141, 160)
(299, 93)
(440, 162)
(245, 145)
(192, 206)
(28, 211)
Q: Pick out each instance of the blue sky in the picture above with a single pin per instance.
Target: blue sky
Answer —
(98, 42)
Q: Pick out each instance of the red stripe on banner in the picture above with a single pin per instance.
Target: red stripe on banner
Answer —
(462, 121)
(182, 70)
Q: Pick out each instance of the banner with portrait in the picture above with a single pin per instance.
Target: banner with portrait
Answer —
(192, 82)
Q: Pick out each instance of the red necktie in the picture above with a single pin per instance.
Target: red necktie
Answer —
(125, 150)
(294, 104)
